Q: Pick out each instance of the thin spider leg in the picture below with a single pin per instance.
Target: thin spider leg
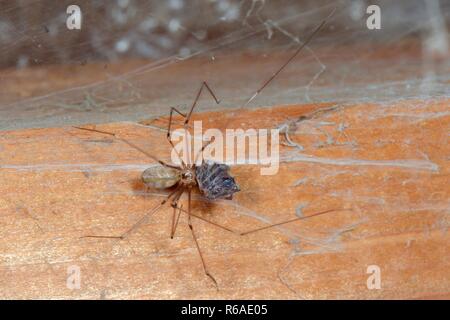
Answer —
(169, 134)
(289, 221)
(196, 242)
(202, 149)
(211, 222)
(177, 196)
(131, 145)
(187, 146)
(186, 124)
(174, 122)
(174, 205)
(176, 222)
(262, 228)
(174, 216)
(204, 85)
(139, 222)
(303, 45)
(172, 109)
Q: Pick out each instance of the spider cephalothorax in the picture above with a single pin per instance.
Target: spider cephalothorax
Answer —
(188, 178)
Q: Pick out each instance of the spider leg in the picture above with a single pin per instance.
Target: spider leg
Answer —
(196, 242)
(139, 222)
(172, 109)
(186, 122)
(300, 48)
(175, 221)
(169, 135)
(262, 228)
(204, 85)
(131, 145)
(210, 222)
(174, 205)
(291, 220)
(203, 148)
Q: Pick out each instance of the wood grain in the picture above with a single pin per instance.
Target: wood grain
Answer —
(387, 163)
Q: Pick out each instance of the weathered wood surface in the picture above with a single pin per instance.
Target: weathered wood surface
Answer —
(388, 163)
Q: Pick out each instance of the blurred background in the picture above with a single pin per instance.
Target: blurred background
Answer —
(133, 59)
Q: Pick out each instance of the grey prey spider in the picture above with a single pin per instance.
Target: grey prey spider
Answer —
(212, 179)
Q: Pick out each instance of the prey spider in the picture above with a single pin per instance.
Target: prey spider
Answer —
(211, 179)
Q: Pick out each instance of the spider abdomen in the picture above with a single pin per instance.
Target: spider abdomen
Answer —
(214, 180)
(160, 177)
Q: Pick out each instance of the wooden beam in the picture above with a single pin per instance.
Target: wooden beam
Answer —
(388, 163)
